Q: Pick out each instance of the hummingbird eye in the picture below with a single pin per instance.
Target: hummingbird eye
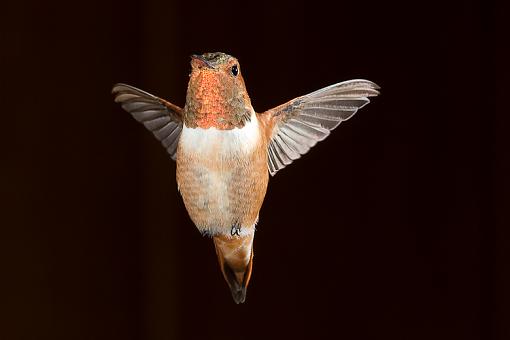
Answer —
(234, 70)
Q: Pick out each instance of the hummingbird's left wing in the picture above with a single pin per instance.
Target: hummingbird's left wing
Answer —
(162, 118)
(299, 124)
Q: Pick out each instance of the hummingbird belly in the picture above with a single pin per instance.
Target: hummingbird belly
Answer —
(222, 176)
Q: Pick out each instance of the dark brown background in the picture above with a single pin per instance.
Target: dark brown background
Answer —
(396, 227)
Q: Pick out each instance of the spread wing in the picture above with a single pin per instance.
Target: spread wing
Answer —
(162, 118)
(302, 122)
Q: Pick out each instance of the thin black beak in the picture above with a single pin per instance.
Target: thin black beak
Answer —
(201, 59)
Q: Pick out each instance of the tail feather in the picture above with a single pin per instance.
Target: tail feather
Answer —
(235, 255)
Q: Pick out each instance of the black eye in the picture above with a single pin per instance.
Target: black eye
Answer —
(235, 70)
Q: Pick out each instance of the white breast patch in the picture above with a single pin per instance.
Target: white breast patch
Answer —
(205, 142)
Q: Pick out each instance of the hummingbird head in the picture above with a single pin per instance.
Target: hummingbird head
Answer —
(216, 96)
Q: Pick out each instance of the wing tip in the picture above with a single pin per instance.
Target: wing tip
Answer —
(122, 87)
(365, 84)
(370, 88)
(116, 88)
(370, 83)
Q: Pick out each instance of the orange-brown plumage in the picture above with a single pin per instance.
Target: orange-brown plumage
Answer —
(235, 255)
(215, 98)
(222, 189)
(225, 151)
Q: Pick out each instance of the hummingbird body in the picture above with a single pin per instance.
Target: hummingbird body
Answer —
(225, 151)
(222, 176)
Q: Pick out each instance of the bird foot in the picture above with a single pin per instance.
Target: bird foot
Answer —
(236, 230)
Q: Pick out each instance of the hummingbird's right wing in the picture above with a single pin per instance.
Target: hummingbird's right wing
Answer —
(299, 124)
(162, 118)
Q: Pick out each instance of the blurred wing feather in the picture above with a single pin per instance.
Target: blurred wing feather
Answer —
(302, 122)
(162, 118)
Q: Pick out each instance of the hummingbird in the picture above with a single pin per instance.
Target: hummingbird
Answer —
(225, 151)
